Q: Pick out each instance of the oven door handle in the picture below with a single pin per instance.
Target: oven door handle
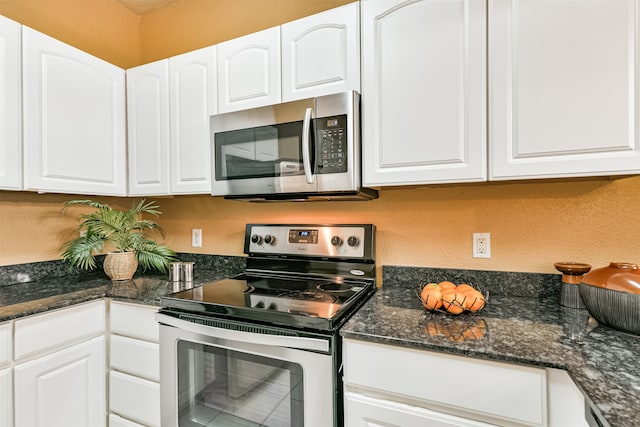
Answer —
(301, 343)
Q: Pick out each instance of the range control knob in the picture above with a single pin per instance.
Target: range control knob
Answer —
(257, 239)
(259, 304)
(336, 241)
(272, 306)
(269, 239)
(353, 241)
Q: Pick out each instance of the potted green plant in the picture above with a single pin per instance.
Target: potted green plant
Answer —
(124, 230)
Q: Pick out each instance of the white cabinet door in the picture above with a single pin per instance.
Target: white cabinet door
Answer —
(10, 106)
(192, 100)
(148, 128)
(364, 411)
(6, 398)
(424, 91)
(6, 347)
(66, 388)
(249, 71)
(135, 398)
(321, 53)
(565, 88)
(74, 119)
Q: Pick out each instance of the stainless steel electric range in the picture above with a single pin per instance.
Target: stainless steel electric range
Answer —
(262, 348)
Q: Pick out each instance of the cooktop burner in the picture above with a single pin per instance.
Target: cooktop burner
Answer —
(312, 296)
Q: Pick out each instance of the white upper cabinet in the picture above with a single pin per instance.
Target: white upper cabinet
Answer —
(148, 128)
(249, 71)
(74, 119)
(193, 93)
(565, 88)
(423, 91)
(321, 54)
(10, 106)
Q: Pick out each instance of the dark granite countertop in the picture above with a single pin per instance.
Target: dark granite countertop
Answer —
(51, 289)
(529, 330)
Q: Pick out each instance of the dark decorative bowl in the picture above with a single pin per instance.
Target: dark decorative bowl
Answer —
(617, 309)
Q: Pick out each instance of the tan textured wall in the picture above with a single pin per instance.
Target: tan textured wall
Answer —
(532, 224)
(191, 24)
(105, 28)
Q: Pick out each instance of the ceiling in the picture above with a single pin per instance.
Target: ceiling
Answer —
(140, 7)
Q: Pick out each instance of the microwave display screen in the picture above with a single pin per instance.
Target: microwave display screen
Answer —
(303, 236)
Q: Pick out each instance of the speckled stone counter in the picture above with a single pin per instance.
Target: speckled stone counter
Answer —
(517, 329)
(53, 286)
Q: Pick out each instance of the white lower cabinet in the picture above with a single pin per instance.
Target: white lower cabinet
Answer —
(397, 386)
(59, 368)
(6, 395)
(65, 388)
(134, 375)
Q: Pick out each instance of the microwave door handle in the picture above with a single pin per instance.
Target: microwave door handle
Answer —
(306, 157)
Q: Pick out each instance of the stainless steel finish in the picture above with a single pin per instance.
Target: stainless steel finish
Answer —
(175, 271)
(318, 385)
(306, 156)
(308, 186)
(300, 343)
(233, 347)
(323, 247)
(187, 271)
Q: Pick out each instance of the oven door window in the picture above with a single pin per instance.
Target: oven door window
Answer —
(261, 152)
(220, 387)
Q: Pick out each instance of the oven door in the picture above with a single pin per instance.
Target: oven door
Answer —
(213, 376)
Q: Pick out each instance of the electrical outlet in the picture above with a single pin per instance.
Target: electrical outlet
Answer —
(196, 237)
(482, 245)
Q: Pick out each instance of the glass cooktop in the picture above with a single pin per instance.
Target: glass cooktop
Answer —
(306, 302)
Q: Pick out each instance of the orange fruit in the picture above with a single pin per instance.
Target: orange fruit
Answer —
(463, 287)
(475, 300)
(431, 298)
(452, 301)
(446, 285)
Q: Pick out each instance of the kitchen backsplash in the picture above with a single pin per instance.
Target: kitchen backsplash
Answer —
(497, 283)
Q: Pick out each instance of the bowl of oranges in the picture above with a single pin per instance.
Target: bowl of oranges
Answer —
(451, 298)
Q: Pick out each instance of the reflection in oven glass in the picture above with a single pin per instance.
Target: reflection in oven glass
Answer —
(220, 387)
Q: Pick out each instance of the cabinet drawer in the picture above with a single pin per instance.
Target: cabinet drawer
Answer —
(490, 389)
(5, 343)
(116, 421)
(370, 412)
(134, 320)
(135, 398)
(54, 329)
(135, 357)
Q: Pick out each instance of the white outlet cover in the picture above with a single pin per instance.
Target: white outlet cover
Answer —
(482, 245)
(196, 237)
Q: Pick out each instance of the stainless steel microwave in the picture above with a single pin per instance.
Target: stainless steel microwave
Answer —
(301, 150)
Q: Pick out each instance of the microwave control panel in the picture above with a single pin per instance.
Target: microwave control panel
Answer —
(331, 144)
